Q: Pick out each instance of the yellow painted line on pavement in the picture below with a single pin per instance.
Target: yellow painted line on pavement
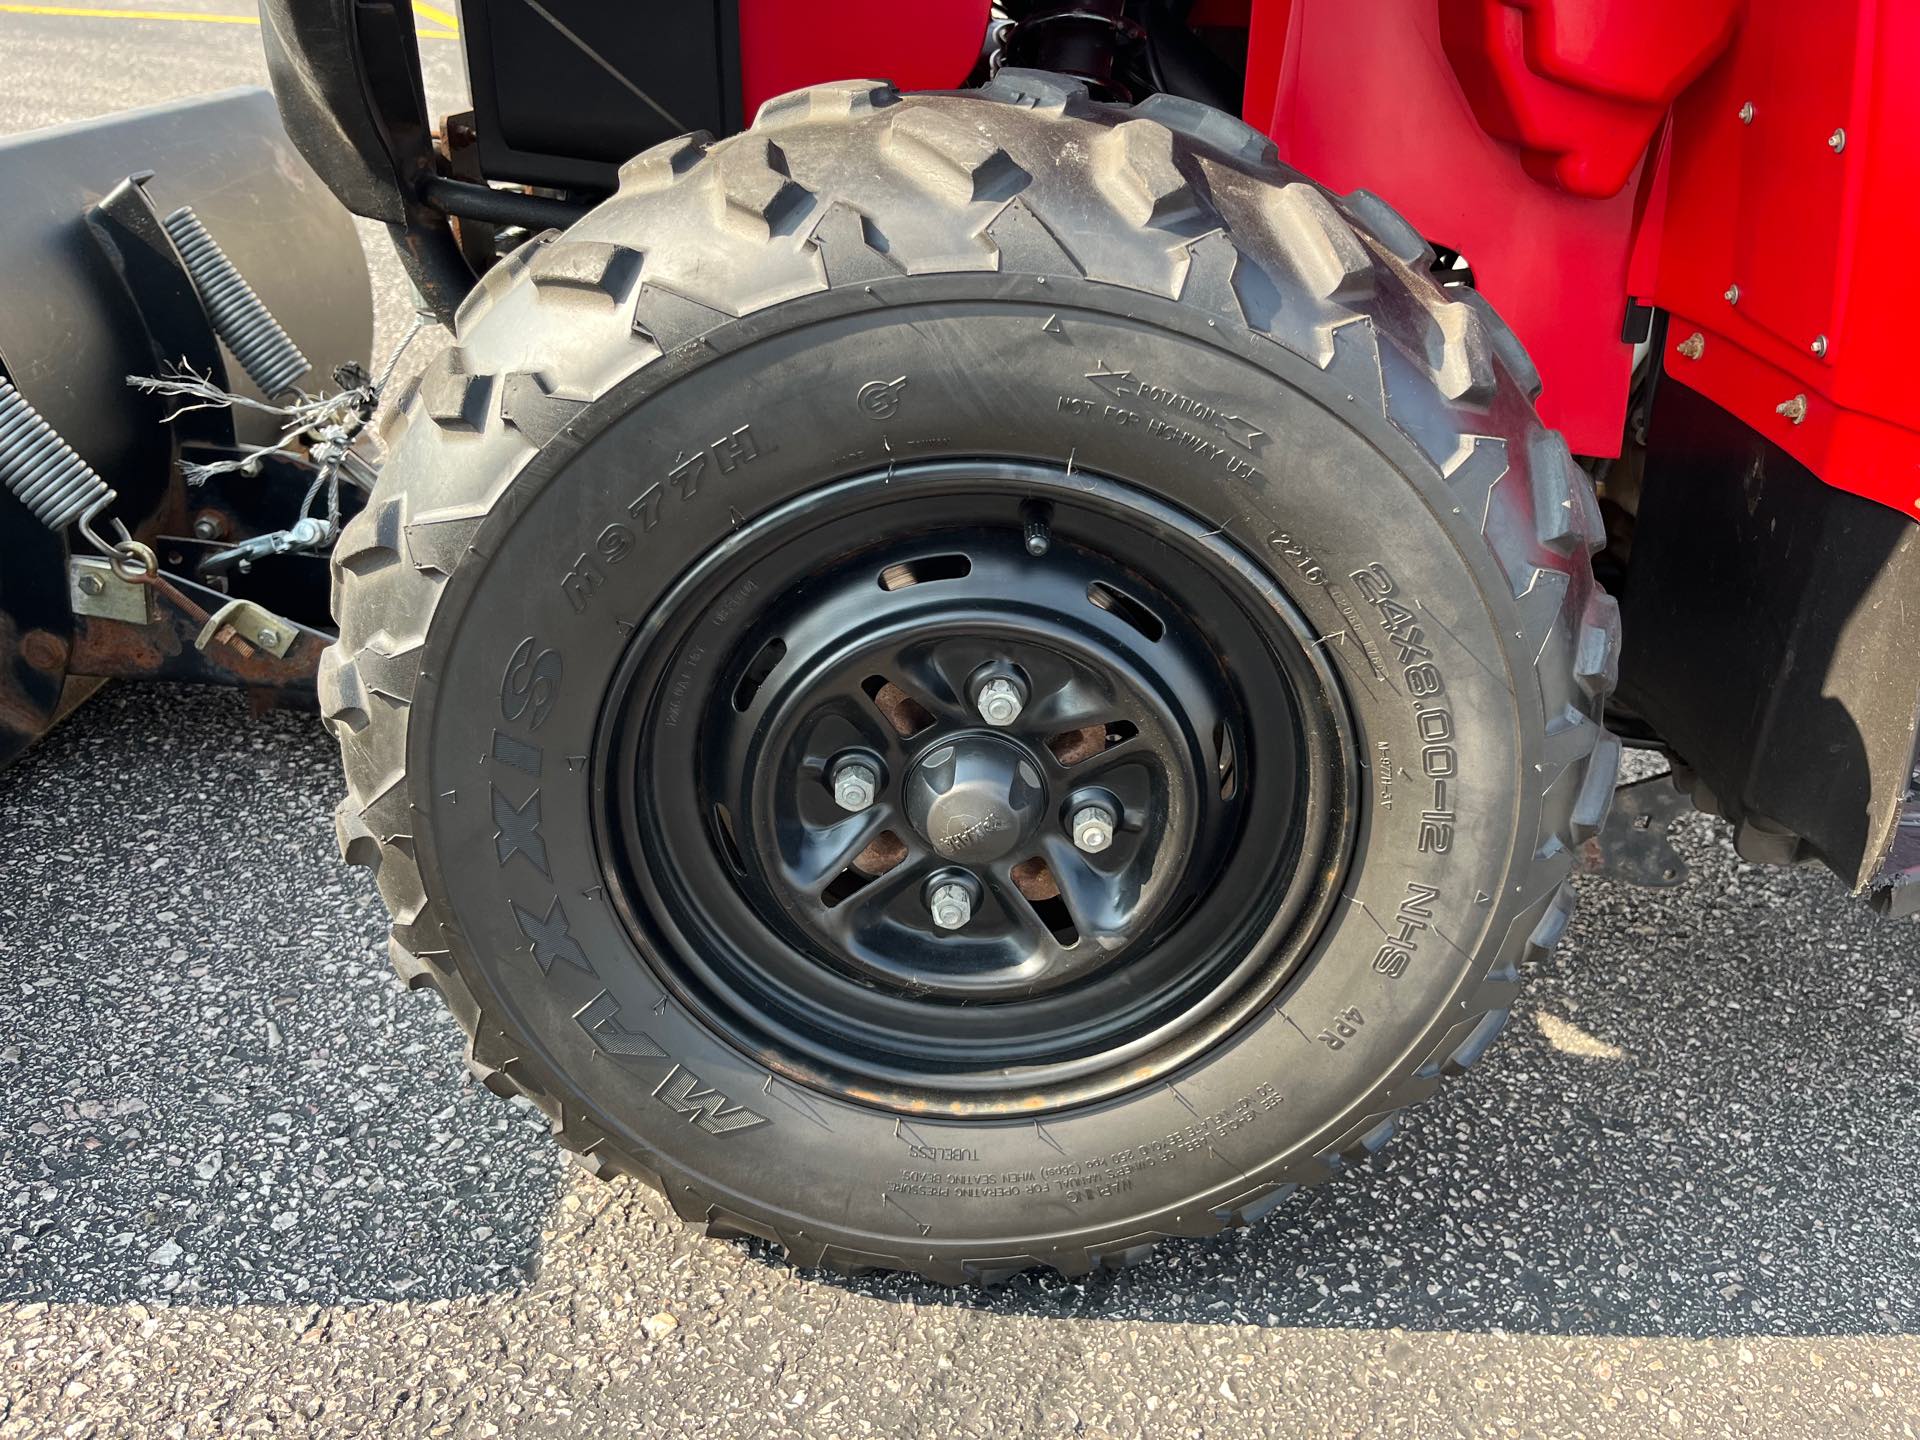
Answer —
(445, 26)
(443, 18)
(130, 14)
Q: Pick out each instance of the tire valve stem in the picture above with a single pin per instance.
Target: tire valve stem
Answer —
(1038, 516)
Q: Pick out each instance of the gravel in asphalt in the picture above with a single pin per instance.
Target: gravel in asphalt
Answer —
(251, 1189)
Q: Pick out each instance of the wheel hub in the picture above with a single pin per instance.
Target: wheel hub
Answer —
(976, 799)
(952, 820)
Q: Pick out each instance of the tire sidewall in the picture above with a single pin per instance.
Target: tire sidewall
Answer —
(1330, 500)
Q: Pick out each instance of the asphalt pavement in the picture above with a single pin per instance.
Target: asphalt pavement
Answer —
(249, 1189)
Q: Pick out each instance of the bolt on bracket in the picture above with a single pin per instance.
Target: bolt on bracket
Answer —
(251, 624)
(98, 592)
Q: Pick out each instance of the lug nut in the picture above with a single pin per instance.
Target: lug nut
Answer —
(1093, 828)
(1000, 701)
(855, 785)
(952, 907)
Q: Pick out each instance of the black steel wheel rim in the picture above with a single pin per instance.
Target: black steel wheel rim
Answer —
(862, 625)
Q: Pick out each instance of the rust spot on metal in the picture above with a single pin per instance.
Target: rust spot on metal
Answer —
(166, 649)
(29, 694)
(883, 852)
(44, 650)
(906, 714)
(1070, 747)
(1035, 881)
(21, 720)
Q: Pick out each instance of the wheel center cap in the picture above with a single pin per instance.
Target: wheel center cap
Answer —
(976, 798)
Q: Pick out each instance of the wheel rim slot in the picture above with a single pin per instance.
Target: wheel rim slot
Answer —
(1076, 746)
(1116, 601)
(906, 715)
(925, 571)
(764, 663)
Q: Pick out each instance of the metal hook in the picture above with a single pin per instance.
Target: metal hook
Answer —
(131, 560)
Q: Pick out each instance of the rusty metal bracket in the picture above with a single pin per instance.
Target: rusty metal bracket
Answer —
(200, 636)
(244, 622)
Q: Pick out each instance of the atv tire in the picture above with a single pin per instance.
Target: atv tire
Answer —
(870, 298)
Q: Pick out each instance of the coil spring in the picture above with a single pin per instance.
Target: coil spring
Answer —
(41, 468)
(264, 350)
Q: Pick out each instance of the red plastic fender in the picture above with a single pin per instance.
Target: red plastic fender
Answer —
(1362, 94)
(1580, 86)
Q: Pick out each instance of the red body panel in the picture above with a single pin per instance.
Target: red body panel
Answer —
(1580, 153)
(1498, 126)
(1819, 242)
(785, 45)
